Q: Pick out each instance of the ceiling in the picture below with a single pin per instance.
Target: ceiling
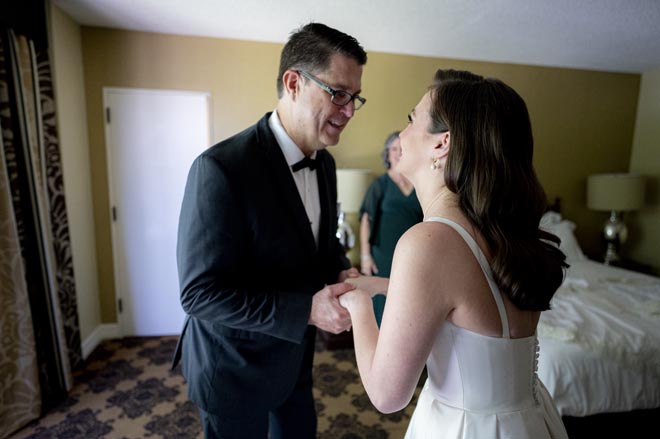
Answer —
(605, 35)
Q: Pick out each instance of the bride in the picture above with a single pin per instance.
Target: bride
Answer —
(469, 283)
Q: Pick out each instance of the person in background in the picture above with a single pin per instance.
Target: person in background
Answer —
(390, 207)
(469, 283)
(260, 267)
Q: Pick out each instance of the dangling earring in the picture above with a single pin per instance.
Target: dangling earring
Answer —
(434, 164)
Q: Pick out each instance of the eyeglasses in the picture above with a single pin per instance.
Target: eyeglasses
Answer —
(338, 97)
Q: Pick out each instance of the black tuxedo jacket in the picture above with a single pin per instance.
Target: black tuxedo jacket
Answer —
(248, 267)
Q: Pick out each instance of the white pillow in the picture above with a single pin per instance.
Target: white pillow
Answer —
(569, 245)
(549, 218)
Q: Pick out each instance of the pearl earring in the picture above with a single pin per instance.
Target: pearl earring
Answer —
(434, 164)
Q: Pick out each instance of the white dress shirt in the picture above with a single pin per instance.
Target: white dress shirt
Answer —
(306, 179)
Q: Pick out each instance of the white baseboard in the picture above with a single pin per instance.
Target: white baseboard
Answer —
(100, 333)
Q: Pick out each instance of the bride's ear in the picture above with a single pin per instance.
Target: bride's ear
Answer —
(443, 144)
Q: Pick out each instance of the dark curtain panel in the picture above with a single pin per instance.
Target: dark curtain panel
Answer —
(37, 295)
(27, 18)
(19, 386)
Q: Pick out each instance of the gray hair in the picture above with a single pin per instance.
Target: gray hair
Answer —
(386, 147)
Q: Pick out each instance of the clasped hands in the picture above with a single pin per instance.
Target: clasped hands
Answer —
(331, 305)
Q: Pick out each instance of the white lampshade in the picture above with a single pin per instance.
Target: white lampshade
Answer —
(352, 184)
(617, 192)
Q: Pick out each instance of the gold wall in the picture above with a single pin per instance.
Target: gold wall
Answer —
(644, 245)
(68, 79)
(583, 120)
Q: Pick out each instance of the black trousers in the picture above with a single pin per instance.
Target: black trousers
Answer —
(294, 419)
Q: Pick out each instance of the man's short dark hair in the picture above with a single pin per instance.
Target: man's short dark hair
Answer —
(311, 47)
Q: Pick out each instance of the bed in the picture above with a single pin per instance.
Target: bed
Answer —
(600, 342)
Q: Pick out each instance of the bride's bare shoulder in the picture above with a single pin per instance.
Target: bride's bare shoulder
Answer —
(435, 247)
(426, 236)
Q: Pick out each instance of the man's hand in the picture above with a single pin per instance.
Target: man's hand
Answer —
(347, 274)
(327, 313)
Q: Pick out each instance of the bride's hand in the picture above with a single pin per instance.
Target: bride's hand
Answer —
(372, 284)
(352, 298)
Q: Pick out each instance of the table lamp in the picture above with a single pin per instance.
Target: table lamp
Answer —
(615, 193)
(352, 184)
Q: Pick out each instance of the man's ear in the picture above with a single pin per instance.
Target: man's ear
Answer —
(291, 83)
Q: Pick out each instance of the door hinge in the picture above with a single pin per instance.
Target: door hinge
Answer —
(114, 213)
(120, 305)
(107, 114)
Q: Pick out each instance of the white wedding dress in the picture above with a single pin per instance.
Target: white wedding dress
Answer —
(482, 387)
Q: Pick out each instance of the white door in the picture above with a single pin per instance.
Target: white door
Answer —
(152, 137)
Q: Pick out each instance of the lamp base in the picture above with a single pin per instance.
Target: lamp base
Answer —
(615, 233)
(345, 233)
(611, 255)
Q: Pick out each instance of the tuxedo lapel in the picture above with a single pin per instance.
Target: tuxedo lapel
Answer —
(326, 230)
(278, 175)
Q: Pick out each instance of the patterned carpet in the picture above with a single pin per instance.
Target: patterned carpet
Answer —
(127, 391)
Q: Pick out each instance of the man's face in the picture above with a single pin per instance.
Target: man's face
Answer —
(319, 122)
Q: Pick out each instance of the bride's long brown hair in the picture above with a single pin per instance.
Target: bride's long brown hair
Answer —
(490, 168)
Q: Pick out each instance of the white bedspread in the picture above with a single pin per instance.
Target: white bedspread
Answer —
(600, 342)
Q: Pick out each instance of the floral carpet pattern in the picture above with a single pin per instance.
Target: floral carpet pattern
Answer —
(127, 391)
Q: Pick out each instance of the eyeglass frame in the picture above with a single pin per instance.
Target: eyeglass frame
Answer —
(332, 92)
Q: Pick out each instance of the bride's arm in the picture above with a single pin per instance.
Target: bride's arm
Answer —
(371, 284)
(391, 362)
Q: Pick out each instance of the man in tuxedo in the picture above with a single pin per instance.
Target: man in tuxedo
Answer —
(260, 267)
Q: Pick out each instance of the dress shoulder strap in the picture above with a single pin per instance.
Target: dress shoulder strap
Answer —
(485, 267)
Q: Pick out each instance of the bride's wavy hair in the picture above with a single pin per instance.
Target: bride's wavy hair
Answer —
(489, 167)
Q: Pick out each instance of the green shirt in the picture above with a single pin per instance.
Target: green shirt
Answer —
(390, 214)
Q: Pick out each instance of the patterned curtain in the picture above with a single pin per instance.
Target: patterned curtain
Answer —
(40, 337)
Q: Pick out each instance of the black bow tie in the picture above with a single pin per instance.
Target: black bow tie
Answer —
(305, 163)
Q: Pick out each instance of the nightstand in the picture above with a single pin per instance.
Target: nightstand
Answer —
(631, 265)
